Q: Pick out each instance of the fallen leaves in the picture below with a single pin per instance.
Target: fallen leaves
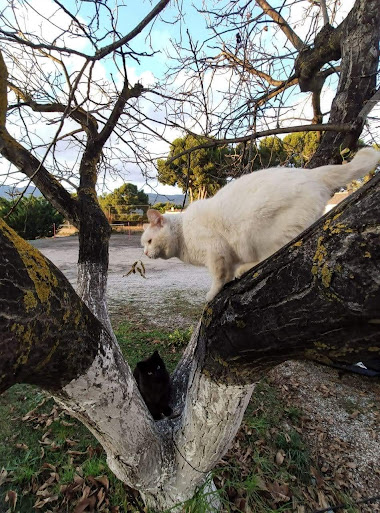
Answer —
(11, 497)
(280, 456)
(138, 267)
(49, 486)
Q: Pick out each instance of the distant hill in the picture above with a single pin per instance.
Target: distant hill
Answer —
(153, 198)
(5, 189)
(177, 199)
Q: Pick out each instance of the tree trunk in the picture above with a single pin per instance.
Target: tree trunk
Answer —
(357, 83)
(53, 340)
(318, 298)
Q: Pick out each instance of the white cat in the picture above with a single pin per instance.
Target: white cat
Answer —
(250, 218)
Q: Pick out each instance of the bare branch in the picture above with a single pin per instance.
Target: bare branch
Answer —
(100, 53)
(247, 66)
(84, 118)
(264, 133)
(284, 26)
(324, 12)
(117, 44)
(369, 105)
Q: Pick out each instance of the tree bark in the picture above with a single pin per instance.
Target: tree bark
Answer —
(52, 339)
(359, 45)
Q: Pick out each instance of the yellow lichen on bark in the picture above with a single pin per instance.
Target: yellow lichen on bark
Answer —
(320, 269)
(36, 266)
(207, 316)
(319, 263)
(25, 336)
(30, 300)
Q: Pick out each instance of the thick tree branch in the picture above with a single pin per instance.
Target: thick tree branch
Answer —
(126, 94)
(326, 48)
(246, 66)
(41, 319)
(359, 42)
(317, 298)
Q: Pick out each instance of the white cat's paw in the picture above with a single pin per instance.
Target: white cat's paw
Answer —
(243, 269)
(211, 294)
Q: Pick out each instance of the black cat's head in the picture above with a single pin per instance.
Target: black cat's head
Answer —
(152, 366)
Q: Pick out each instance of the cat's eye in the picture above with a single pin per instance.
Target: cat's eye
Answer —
(158, 367)
(150, 373)
(149, 241)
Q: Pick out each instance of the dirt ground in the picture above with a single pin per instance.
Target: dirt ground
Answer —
(341, 426)
(171, 295)
(342, 412)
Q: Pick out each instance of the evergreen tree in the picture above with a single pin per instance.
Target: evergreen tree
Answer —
(123, 197)
(202, 174)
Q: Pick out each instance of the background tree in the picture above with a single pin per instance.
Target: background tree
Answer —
(124, 200)
(163, 207)
(33, 217)
(201, 175)
(294, 149)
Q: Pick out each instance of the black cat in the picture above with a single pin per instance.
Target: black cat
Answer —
(154, 384)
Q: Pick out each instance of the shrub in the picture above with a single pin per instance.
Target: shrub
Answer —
(32, 218)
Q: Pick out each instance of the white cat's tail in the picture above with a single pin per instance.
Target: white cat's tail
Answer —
(335, 176)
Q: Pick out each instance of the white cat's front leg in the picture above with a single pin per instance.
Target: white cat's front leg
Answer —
(213, 292)
(221, 272)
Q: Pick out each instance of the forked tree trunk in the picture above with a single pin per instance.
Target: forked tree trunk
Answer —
(318, 298)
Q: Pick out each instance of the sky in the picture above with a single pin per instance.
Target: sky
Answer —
(149, 70)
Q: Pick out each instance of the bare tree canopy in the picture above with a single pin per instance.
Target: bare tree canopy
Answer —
(73, 115)
(279, 64)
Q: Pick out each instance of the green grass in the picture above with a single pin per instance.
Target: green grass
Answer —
(138, 344)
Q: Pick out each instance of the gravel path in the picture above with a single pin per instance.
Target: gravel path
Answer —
(172, 295)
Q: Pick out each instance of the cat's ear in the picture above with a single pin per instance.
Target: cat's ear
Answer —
(155, 218)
